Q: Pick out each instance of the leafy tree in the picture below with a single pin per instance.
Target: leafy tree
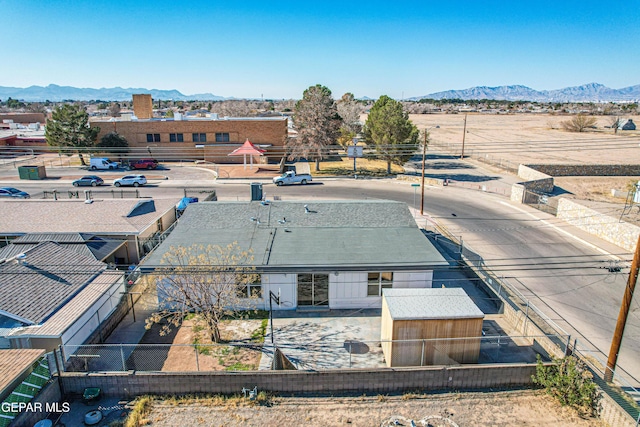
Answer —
(569, 381)
(209, 280)
(349, 110)
(169, 114)
(115, 142)
(388, 127)
(317, 122)
(69, 127)
(579, 123)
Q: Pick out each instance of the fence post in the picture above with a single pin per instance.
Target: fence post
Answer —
(567, 351)
(124, 364)
(349, 354)
(195, 348)
(526, 319)
(422, 355)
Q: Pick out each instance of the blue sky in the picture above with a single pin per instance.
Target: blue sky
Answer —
(277, 49)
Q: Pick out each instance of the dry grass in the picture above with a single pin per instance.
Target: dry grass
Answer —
(364, 167)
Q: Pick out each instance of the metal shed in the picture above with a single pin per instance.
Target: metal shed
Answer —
(430, 327)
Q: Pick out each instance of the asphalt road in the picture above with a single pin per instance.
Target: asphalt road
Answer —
(562, 270)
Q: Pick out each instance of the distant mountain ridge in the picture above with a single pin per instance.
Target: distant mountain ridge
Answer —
(591, 92)
(57, 93)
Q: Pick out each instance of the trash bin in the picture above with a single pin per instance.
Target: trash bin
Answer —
(32, 172)
(256, 191)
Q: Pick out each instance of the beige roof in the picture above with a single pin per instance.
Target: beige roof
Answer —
(13, 363)
(57, 324)
(111, 216)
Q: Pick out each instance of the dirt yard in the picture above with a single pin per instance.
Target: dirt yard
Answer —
(191, 338)
(497, 409)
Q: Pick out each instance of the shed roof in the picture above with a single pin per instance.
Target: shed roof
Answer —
(324, 234)
(109, 216)
(33, 289)
(430, 304)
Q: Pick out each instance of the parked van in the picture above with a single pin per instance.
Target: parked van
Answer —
(102, 163)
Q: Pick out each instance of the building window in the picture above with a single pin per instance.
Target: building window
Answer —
(176, 137)
(199, 137)
(376, 282)
(252, 289)
(153, 137)
(222, 137)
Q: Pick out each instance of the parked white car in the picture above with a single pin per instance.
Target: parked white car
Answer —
(135, 180)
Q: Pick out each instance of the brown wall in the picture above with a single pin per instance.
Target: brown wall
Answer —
(259, 131)
(143, 106)
(24, 118)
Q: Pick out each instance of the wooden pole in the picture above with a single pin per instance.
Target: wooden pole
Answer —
(464, 134)
(622, 317)
(424, 152)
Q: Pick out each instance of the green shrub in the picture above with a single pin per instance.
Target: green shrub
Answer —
(569, 381)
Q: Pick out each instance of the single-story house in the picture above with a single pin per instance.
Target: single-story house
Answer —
(51, 296)
(137, 222)
(322, 254)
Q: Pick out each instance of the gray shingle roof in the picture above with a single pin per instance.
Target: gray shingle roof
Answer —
(109, 216)
(49, 276)
(82, 243)
(330, 234)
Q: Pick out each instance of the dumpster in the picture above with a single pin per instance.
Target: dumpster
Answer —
(256, 191)
(32, 172)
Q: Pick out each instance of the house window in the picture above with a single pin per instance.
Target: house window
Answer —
(376, 282)
(222, 137)
(153, 137)
(199, 137)
(176, 137)
(252, 289)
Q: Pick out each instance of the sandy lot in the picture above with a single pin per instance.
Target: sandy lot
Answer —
(531, 138)
(497, 409)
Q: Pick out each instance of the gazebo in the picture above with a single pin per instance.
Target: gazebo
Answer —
(247, 148)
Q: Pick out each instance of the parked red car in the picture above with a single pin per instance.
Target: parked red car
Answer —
(143, 164)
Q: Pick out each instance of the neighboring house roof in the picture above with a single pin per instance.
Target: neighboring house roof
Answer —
(34, 288)
(430, 304)
(332, 234)
(111, 216)
(15, 363)
(82, 243)
(57, 324)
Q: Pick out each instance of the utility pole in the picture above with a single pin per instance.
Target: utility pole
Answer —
(424, 152)
(464, 134)
(622, 317)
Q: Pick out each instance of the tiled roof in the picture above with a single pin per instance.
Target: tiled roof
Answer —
(109, 216)
(32, 290)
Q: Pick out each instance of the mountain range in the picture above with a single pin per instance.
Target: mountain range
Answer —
(55, 93)
(592, 92)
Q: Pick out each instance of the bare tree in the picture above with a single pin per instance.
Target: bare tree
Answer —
(213, 281)
(317, 122)
(114, 109)
(349, 110)
(579, 123)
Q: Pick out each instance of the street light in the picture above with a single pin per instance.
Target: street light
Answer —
(424, 153)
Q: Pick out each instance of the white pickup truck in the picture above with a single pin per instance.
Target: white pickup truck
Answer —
(290, 177)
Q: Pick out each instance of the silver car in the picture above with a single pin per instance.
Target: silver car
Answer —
(135, 180)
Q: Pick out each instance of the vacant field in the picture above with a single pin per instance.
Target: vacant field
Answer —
(531, 138)
(497, 409)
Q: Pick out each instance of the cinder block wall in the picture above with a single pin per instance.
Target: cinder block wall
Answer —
(130, 384)
(49, 394)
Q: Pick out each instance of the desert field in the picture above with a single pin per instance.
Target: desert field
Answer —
(531, 138)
